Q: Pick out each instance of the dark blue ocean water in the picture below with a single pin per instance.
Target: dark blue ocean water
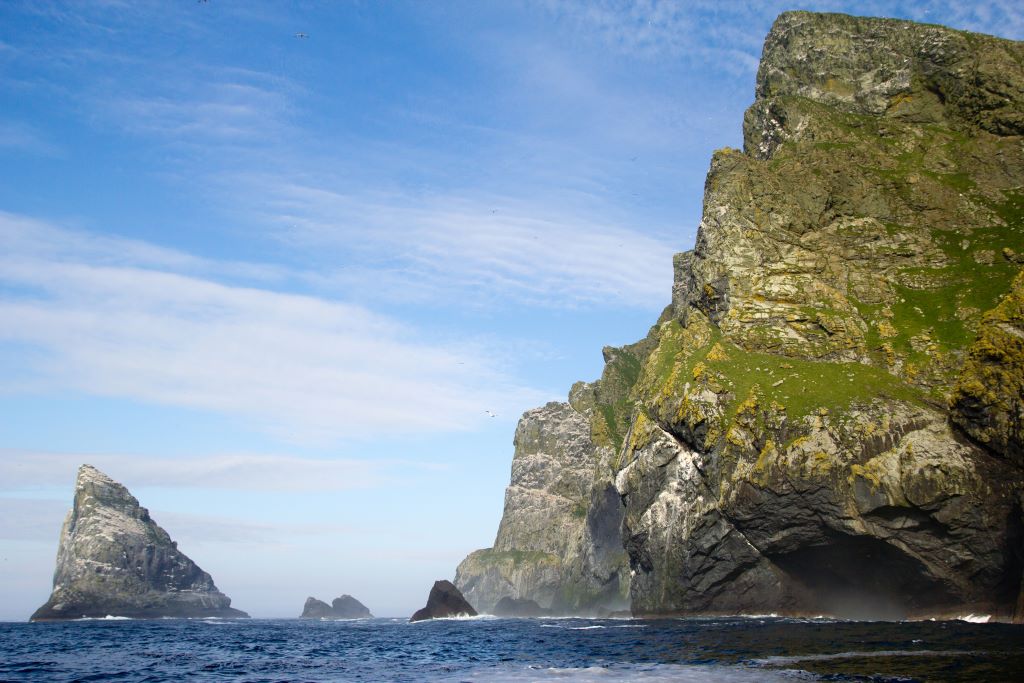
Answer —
(487, 649)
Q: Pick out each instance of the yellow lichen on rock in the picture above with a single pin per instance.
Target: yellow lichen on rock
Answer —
(987, 400)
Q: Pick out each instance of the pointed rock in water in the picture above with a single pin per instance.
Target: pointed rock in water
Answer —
(115, 560)
(445, 600)
(345, 607)
(315, 609)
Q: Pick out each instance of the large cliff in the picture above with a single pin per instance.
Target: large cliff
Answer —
(114, 560)
(828, 416)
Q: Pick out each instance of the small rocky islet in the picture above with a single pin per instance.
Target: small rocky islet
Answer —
(445, 601)
(115, 560)
(345, 607)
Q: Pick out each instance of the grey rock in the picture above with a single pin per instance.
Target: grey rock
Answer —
(345, 607)
(444, 601)
(315, 609)
(114, 560)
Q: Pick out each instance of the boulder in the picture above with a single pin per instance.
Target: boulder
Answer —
(445, 600)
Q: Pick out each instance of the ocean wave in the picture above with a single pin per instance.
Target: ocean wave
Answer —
(460, 617)
(975, 618)
(650, 673)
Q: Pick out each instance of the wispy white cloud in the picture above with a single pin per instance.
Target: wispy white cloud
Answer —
(485, 247)
(712, 34)
(727, 36)
(22, 137)
(224, 111)
(35, 519)
(300, 366)
(22, 470)
(193, 531)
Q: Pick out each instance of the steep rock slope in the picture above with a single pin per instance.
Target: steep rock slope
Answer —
(826, 419)
(113, 559)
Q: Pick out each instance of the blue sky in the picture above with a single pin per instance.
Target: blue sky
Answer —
(272, 283)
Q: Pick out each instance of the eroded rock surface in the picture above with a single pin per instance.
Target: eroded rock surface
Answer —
(115, 560)
(345, 607)
(827, 418)
(444, 601)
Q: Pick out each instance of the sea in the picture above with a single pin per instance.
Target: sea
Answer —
(515, 650)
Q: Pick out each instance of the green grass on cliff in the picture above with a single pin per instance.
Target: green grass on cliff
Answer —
(937, 308)
(612, 396)
(805, 387)
(801, 387)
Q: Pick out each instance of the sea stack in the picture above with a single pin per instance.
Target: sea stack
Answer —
(445, 600)
(114, 560)
(345, 607)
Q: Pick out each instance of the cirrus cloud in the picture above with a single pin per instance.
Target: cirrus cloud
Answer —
(85, 315)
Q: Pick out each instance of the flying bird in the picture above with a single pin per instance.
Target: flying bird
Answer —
(302, 35)
(490, 414)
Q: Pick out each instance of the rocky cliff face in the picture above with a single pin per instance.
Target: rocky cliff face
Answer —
(115, 560)
(826, 419)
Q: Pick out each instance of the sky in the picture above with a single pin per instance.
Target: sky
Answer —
(272, 264)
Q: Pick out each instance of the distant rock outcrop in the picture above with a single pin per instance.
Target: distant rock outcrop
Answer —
(345, 607)
(445, 600)
(315, 609)
(115, 560)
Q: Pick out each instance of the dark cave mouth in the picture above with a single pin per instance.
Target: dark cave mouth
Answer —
(860, 577)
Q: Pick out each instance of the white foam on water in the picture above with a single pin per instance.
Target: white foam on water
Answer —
(592, 626)
(460, 617)
(975, 618)
(109, 617)
(649, 673)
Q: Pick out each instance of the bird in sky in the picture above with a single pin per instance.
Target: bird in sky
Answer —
(490, 414)
(302, 35)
